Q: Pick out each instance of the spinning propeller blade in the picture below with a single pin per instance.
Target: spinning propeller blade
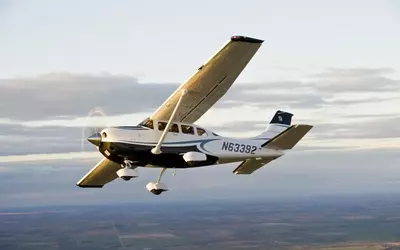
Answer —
(95, 123)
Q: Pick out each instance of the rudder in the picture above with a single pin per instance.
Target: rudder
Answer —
(282, 118)
(281, 121)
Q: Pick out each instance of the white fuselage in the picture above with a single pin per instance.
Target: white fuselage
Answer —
(141, 139)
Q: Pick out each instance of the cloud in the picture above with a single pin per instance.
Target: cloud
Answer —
(55, 99)
(33, 158)
(356, 80)
(265, 95)
(381, 128)
(295, 174)
(62, 94)
(324, 163)
(337, 73)
(19, 139)
(333, 87)
(56, 95)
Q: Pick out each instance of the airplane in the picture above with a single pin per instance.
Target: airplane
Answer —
(170, 139)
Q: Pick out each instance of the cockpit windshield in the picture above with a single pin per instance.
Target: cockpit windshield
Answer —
(149, 124)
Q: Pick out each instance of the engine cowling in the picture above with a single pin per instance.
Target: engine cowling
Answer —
(194, 157)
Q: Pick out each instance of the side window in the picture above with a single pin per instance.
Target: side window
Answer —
(161, 126)
(174, 128)
(186, 129)
(201, 132)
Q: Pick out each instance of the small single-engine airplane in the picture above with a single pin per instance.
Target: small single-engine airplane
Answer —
(169, 139)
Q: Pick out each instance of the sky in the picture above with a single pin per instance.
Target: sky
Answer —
(335, 65)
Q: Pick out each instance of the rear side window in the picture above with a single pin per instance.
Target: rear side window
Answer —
(201, 132)
(186, 129)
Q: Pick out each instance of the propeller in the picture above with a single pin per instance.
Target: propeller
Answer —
(92, 128)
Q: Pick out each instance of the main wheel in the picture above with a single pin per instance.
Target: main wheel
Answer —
(126, 178)
(126, 174)
(156, 188)
(156, 191)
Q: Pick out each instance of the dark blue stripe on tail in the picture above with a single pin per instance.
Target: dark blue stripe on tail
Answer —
(282, 117)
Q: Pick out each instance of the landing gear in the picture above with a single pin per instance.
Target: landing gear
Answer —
(156, 187)
(127, 172)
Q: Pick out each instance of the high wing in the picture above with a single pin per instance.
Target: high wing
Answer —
(210, 82)
(103, 173)
(285, 140)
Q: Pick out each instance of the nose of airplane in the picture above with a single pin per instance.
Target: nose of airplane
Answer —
(95, 139)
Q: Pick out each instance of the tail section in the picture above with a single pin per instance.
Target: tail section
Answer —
(281, 134)
(280, 122)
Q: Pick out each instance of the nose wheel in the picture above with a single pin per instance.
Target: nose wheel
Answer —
(127, 171)
(157, 188)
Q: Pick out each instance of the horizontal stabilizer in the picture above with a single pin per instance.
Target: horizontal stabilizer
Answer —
(250, 165)
(288, 138)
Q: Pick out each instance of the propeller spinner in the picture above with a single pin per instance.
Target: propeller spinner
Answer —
(95, 139)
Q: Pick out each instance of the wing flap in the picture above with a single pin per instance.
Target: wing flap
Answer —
(288, 138)
(210, 82)
(251, 165)
(103, 173)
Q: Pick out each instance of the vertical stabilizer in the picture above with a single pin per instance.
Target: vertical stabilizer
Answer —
(280, 122)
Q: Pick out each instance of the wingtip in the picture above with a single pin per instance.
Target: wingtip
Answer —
(309, 126)
(246, 39)
(89, 186)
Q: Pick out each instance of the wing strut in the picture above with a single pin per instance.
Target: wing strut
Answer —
(156, 150)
